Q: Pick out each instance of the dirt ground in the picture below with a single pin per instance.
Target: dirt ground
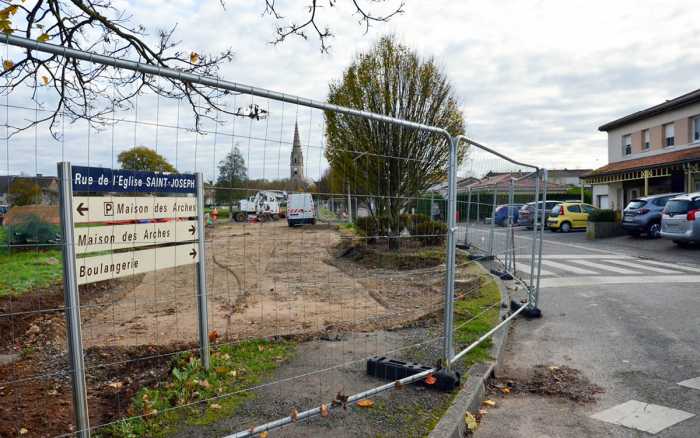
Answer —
(263, 280)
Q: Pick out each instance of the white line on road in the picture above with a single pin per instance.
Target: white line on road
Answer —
(578, 256)
(596, 280)
(524, 267)
(642, 265)
(567, 267)
(605, 267)
(672, 265)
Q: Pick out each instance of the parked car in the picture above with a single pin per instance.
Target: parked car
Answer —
(526, 214)
(502, 214)
(643, 215)
(569, 215)
(680, 221)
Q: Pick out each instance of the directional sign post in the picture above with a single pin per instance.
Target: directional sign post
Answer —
(120, 235)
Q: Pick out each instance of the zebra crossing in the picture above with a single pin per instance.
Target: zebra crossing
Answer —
(560, 270)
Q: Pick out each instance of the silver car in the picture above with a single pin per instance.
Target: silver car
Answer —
(680, 221)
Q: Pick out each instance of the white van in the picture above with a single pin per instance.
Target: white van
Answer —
(300, 209)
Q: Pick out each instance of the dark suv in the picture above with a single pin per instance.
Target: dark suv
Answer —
(643, 215)
(526, 215)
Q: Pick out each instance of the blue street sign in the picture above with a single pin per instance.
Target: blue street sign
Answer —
(99, 179)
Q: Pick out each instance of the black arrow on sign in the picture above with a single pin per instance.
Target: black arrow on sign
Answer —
(81, 209)
(193, 253)
(191, 229)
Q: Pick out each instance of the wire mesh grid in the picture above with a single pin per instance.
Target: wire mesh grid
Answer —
(295, 312)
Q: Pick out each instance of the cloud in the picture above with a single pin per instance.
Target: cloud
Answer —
(535, 78)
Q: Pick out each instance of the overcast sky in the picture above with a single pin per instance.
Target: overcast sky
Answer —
(535, 78)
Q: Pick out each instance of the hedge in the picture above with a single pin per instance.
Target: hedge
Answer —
(602, 215)
(430, 232)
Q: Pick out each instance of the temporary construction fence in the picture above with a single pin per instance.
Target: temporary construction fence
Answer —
(140, 354)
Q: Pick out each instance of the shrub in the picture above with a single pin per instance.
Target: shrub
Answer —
(32, 229)
(602, 215)
(375, 226)
(409, 221)
(430, 232)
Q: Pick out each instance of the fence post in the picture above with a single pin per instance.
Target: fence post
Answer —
(536, 293)
(469, 213)
(202, 309)
(492, 229)
(535, 231)
(72, 302)
(509, 261)
(448, 348)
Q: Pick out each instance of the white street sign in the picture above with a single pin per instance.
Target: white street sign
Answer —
(117, 265)
(112, 237)
(124, 208)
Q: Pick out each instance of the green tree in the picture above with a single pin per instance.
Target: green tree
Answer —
(24, 191)
(232, 175)
(145, 159)
(387, 163)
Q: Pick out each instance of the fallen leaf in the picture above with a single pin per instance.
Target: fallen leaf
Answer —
(430, 380)
(505, 390)
(116, 385)
(213, 336)
(324, 410)
(261, 347)
(470, 421)
(44, 37)
(220, 370)
(194, 57)
(232, 373)
(341, 400)
(215, 406)
(553, 368)
(7, 64)
(23, 431)
(365, 403)
(489, 403)
(204, 383)
(264, 434)
(294, 414)
(53, 392)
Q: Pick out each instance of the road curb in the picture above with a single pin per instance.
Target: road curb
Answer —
(469, 398)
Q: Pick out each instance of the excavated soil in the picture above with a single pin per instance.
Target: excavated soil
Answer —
(263, 280)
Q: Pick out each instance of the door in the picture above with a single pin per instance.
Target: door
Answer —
(603, 202)
(578, 218)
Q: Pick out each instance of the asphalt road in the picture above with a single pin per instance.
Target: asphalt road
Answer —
(629, 324)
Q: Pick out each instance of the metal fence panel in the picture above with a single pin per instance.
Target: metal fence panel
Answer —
(339, 292)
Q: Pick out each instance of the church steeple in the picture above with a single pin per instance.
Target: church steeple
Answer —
(296, 160)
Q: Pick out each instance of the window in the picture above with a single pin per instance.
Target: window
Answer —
(587, 208)
(696, 129)
(626, 144)
(646, 138)
(574, 209)
(669, 135)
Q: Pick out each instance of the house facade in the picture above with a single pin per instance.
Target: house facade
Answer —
(653, 151)
(567, 177)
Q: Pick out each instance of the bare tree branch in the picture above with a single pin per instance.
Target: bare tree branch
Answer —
(83, 90)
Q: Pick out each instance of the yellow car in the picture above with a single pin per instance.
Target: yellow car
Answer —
(569, 215)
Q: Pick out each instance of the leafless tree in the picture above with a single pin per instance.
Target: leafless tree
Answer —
(88, 91)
